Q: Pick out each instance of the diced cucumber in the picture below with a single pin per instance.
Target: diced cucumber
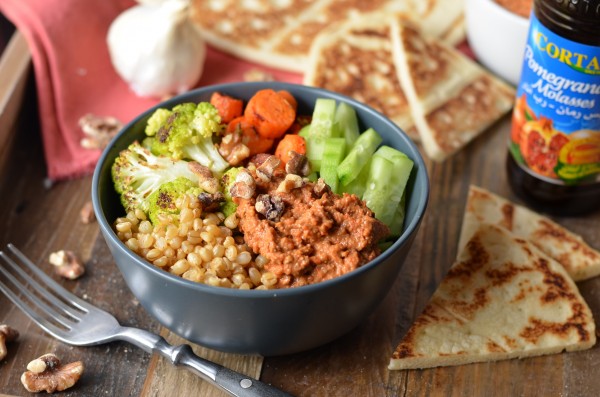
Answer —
(333, 154)
(304, 131)
(358, 156)
(359, 184)
(379, 187)
(323, 117)
(346, 123)
(321, 127)
(402, 167)
(398, 221)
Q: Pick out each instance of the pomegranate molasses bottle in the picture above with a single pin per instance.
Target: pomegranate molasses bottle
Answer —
(553, 162)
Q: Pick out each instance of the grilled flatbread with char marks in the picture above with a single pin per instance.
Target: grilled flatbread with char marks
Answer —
(502, 298)
(279, 33)
(579, 259)
(355, 59)
(452, 98)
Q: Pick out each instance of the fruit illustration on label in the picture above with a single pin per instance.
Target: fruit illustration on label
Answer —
(540, 144)
(580, 157)
(522, 113)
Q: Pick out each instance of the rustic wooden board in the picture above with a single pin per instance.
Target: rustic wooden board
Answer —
(40, 220)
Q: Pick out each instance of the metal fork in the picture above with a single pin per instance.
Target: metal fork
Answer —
(77, 322)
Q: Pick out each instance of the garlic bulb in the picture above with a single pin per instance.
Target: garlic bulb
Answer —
(156, 48)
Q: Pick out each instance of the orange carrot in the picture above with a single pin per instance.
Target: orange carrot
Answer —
(269, 113)
(290, 142)
(229, 108)
(250, 137)
(289, 97)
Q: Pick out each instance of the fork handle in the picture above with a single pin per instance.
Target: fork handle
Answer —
(233, 382)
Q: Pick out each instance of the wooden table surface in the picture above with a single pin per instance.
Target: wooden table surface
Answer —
(40, 219)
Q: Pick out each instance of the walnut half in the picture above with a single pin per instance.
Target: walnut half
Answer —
(67, 264)
(7, 334)
(46, 373)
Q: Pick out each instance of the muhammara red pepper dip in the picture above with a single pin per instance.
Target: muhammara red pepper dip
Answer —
(308, 233)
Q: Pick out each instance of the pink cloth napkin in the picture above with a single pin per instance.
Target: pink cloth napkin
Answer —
(74, 76)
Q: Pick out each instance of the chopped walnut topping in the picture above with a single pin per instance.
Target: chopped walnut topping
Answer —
(242, 190)
(320, 187)
(233, 149)
(7, 334)
(86, 213)
(211, 202)
(206, 179)
(258, 159)
(266, 169)
(291, 182)
(98, 130)
(297, 164)
(47, 374)
(67, 264)
(258, 75)
(244, 185)
(271, 207)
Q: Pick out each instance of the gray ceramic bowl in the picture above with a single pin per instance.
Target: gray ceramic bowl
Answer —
(267, 322)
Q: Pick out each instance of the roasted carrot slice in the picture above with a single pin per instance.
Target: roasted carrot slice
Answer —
(269, 113)
(250, 137)
(229, 108)
(290, 98)
(290, 142)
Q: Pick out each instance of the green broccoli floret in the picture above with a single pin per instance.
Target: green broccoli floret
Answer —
(137, 173)
(186, 133)
(164, 199)
(227, 180)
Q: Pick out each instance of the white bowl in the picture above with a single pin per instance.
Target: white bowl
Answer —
(497, 37)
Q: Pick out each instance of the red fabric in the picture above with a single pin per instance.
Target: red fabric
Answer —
(74, 76)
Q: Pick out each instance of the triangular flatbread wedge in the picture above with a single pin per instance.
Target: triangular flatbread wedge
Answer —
(355, 59)
(452, 98)
(579, 259)
(280, 33)
(502, 298)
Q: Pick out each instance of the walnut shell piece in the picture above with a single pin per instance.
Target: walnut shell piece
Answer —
(46, 373)
(7, 334)
(67, 264)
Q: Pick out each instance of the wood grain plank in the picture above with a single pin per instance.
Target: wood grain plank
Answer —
(164, 378)
(15, 66)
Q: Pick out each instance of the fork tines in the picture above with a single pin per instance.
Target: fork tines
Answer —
(46, 302)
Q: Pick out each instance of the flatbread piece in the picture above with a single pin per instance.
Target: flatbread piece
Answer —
(279, 33)
(569, 249)
(451, 97)
(354, 58)
(502, 298)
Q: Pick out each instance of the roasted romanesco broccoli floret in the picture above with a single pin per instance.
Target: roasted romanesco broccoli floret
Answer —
(164, 199)
(186, 133)
(137, 173)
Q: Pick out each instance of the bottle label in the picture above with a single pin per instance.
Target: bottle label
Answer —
(556, 118)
